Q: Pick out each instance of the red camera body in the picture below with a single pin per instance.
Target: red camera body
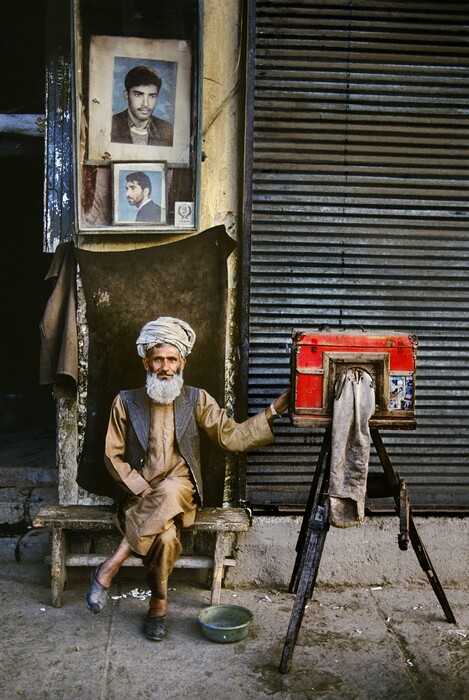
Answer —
(319, 357)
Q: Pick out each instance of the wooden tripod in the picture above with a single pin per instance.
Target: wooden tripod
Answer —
(315, 526)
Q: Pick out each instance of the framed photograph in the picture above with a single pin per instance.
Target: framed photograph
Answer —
(139, 99)
(139, 194)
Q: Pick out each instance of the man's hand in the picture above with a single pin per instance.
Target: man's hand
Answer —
(279, 405)
(143, 493)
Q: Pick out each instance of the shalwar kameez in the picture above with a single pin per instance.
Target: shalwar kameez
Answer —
(150, 524)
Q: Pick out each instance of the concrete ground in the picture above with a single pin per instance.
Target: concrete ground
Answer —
(357, 643)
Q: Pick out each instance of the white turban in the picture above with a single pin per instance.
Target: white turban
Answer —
(166, 331)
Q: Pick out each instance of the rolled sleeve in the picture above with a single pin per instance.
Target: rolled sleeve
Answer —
(226, 432)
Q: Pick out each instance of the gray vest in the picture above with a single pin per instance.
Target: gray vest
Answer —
(137, 407)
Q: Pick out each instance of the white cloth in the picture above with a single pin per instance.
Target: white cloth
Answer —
(354, 404)
(166, 330)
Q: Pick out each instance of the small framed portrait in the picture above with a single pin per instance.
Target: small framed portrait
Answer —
(139, 194)
(139, 99)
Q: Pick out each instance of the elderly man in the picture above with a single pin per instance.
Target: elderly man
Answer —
(152, 451)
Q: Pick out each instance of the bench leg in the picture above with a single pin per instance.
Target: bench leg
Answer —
(218, 567)
(58, 571)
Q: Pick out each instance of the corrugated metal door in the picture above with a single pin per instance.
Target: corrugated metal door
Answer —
(359, 215)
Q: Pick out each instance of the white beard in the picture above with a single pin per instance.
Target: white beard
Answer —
(163, 390)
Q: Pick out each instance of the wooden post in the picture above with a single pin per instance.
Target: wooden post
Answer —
(58, 571)
(218, 567)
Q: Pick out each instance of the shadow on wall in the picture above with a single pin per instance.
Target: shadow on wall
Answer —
(24, 294)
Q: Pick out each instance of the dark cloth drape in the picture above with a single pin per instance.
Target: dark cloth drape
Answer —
(124, 290)
(58, 362)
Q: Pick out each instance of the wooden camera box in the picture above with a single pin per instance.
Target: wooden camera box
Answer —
(319, 357)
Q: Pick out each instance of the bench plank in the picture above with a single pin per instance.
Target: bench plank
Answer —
(100, 517)
(75, 517)
(184, 562)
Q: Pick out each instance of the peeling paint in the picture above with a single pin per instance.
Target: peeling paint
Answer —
(102, 298)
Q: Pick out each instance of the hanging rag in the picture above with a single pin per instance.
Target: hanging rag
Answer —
(58, 363)
(354, 404)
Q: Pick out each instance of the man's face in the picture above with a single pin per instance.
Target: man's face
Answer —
(164, 361)
(135, 193)
(142, 100)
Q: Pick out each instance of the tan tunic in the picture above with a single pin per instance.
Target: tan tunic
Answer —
(165, 470)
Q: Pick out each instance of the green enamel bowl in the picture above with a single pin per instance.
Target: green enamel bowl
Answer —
(225, 623)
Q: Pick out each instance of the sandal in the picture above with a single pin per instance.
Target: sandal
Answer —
(96, 595)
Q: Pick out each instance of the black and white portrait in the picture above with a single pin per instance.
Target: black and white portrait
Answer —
(139, 99)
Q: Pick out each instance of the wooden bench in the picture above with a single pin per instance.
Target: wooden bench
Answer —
(64, 519)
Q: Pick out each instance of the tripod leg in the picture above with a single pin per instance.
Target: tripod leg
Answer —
(404, 516)
(427, 566)
(314, 545)
(314, 498)
(417, 544)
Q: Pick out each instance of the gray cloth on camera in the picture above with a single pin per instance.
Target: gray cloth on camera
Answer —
(354, 404)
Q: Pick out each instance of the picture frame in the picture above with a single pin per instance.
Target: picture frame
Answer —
(112, 107)
(139, 193)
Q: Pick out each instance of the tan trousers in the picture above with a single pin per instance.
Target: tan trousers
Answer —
(160, 561)
(150, 525)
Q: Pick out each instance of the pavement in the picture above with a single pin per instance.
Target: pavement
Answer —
(354, 643)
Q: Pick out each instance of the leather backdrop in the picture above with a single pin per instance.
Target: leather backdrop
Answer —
(123, 291)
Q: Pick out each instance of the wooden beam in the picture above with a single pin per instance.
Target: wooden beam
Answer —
(23, 124)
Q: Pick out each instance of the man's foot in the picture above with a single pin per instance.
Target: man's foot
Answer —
(154, 628)
(96, 595)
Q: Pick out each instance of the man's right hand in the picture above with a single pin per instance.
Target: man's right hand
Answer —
(143, 493)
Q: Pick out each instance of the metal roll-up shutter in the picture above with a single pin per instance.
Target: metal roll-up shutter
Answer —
(359, 216)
